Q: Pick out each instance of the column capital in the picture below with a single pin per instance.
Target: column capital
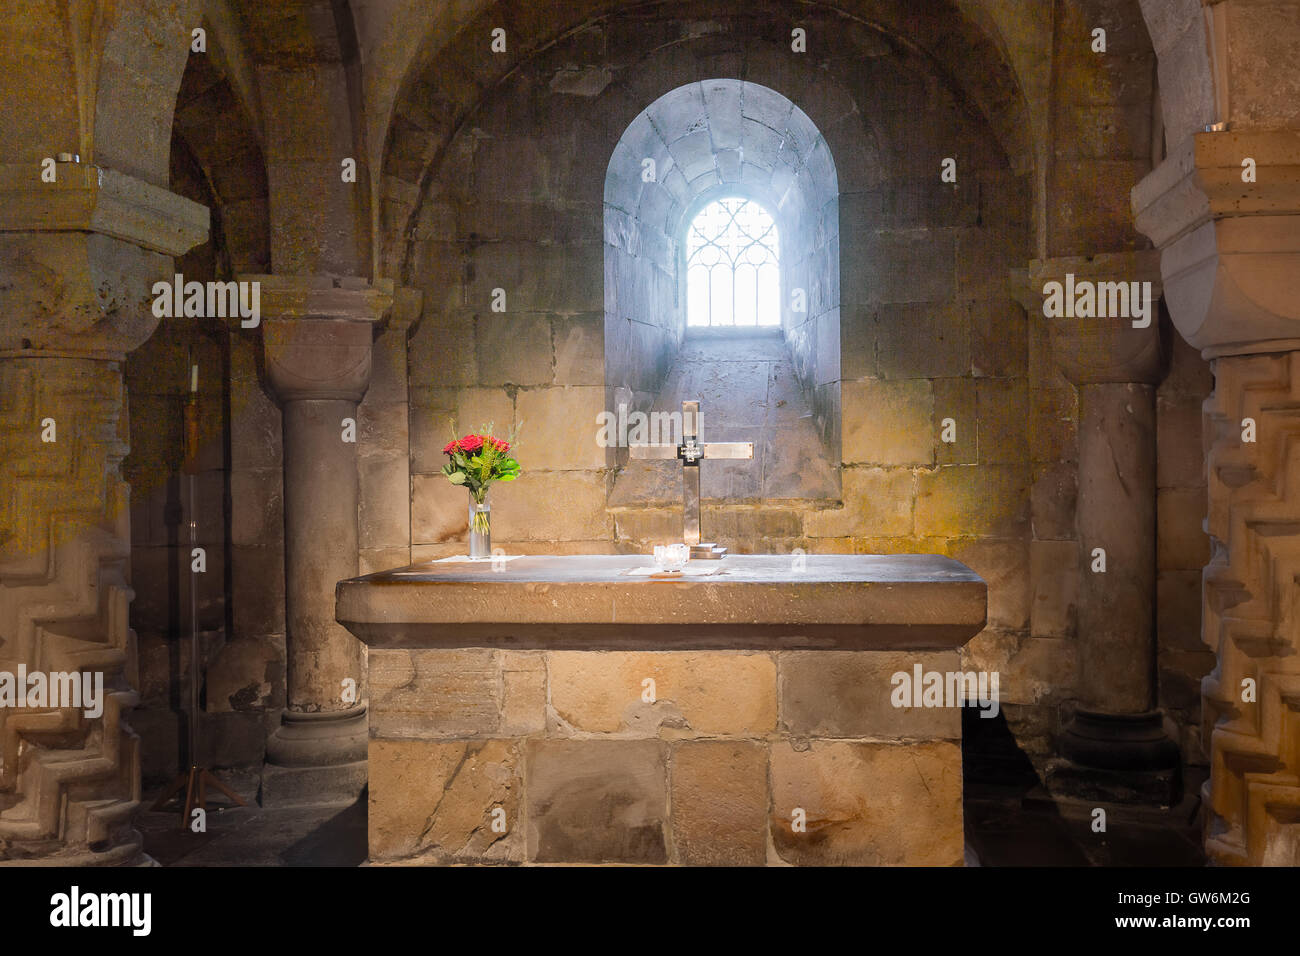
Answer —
(1098, 350)
(1230, 247)
(318, 333)
(81, 255)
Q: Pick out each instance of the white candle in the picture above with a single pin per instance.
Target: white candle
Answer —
(194, 378)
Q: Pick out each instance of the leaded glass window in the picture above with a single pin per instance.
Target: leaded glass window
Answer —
(733, 271)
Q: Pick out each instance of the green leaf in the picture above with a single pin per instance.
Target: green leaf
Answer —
(507, 478)
(456, 477)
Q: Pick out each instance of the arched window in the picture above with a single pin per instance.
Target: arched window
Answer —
(728, 292)
(733, 269)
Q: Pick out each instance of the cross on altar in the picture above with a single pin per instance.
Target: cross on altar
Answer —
(690, 452)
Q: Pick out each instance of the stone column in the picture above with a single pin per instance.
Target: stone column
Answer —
(317, 340)
(78, 259)
(1114, 745)
(1230, 256)
(1116, 511)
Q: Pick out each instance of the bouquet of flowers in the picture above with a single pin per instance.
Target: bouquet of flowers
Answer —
(477, 460)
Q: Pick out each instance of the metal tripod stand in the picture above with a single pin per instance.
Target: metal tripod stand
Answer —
(196, 780)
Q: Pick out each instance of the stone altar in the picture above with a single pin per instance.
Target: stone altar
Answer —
(559, 710)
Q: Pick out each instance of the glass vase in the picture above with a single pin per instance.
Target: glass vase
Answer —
(480, 528)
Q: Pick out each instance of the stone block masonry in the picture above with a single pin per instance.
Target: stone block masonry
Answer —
(728, 758)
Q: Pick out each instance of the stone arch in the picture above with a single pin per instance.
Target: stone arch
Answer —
(706, 140)
(517, 206)
(1098, 156)
(308, 62)
(445, 83)
(136, 92)
(101, 83)
(1180, 35)
(216, 123)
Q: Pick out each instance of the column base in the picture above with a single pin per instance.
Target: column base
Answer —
(1117, 758)
(340, 785)
(316, 759)
(127, 851)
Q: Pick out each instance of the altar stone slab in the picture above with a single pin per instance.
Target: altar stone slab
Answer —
(557, 710)
(590, 602)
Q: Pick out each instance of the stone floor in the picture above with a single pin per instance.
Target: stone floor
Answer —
(254, 836)
(1014, 827)
(1012, 821)
(1005, 826)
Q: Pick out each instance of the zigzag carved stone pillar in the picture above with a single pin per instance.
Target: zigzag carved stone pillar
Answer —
(1251, 701)
(68, 784)
(78, 258)
(1231, 266)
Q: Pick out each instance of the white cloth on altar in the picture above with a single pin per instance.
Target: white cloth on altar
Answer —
(698, 570)
(465, 557)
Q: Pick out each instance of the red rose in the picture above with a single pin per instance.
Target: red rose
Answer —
(469, 444)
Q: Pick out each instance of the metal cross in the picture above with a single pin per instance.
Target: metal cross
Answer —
(690, 452)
